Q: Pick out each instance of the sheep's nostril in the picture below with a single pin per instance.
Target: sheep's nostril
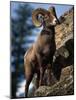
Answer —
(56, 21)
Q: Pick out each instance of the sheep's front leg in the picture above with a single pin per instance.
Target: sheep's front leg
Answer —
(49, 74)
(37, 79)
(51, 78)
(42, 70)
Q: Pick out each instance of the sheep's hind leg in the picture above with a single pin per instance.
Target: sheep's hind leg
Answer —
(28, 80)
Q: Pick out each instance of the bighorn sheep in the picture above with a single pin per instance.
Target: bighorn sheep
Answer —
(41, 53)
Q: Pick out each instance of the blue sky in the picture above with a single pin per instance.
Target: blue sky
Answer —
(60, 9)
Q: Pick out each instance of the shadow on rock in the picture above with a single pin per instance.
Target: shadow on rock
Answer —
(64, 57)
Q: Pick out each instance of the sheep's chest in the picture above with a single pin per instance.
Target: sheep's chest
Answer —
(46, 44)
(46, 48)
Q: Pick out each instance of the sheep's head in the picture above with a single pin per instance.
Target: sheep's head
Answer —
(44, 17)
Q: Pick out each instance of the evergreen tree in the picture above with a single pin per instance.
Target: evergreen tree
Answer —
(21, 26)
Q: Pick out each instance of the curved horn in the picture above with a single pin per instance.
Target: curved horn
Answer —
(35, 14)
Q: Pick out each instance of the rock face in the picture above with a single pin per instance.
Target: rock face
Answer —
(64, 86)
(64, 31)
(63, 70)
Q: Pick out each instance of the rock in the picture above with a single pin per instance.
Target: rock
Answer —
(64, 87)
(64, 31)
